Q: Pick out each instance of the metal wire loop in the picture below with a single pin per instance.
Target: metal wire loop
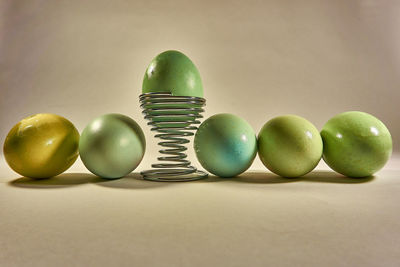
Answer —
(174, 119)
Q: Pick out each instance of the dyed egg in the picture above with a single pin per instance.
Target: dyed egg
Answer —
(41, 146)
(172, 72)
(112, 146)
(225, 145)
(289, 146)
(356, 144)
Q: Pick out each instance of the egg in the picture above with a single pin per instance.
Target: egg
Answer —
(112, 146)
(172, 72)
(356, 144)
(41, 146)
(289, 146)
(225, 145)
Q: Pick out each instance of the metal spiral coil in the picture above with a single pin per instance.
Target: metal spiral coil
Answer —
(174, 118)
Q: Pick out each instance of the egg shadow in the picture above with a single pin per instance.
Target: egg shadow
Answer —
(59, 181)
(333, 177)
(261, 177)
(135, 180)
(132, 181)
(256, 177)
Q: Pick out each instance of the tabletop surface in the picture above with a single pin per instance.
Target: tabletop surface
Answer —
(256, 219)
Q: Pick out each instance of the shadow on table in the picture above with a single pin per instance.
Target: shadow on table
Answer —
(135, 181)
(131, 181)
(333, 177)
(260, 177)
(60, 181)
(251, 177)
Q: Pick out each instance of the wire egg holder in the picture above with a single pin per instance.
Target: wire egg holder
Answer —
(174, 119)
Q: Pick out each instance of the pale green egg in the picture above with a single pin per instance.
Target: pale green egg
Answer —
(112, 146)
(172, 72)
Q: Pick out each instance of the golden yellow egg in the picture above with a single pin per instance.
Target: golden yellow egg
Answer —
(41, 146)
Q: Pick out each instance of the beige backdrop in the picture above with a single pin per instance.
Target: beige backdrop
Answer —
(258, 59)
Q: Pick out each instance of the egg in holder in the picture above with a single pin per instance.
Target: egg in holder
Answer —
(172, 102)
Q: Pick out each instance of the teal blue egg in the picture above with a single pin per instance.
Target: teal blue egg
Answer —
(225, 145)
(112, 146)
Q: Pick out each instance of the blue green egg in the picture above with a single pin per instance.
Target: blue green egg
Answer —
(225, 145)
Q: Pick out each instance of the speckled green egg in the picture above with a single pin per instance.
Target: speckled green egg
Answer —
(289, 146)
(173, 72)
(112, 146)
(225, 145)
(356, 144)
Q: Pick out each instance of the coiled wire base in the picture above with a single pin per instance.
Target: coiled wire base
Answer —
(174, 118)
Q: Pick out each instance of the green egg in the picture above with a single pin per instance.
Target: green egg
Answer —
(289, 146)
(356, 144)
(225, 145)
(172, 72)
(112, 146)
